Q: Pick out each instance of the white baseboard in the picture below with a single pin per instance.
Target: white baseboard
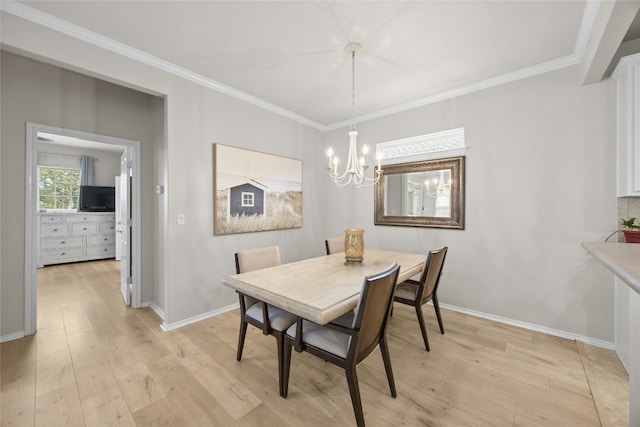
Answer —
(155, 307)
(175, 325)
(530, 326)
(624, 365)
(13, 336)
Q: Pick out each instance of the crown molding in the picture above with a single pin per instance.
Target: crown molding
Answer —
(535, 70)
(75, 31)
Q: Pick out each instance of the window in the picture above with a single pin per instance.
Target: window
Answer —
(247, 199)
(58, 188)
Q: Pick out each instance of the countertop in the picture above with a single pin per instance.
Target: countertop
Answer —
(623, 259)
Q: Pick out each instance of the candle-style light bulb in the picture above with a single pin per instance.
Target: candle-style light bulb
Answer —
(365, 152)
(329, 154)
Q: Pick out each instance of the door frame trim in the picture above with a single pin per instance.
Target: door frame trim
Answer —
(30, 230)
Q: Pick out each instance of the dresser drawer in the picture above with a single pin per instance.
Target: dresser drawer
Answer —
(61, 243)
(80, 217)
(54, 230)
(51, 219)
(80, 229)
(104, 251)
(101, 240)
(61, 254)
(107, 227)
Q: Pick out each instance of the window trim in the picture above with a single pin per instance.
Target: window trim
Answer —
(252, 196)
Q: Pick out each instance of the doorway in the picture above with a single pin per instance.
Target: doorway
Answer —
(128, 229)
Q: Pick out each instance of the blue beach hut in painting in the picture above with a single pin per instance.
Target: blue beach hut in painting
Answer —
(247, 199)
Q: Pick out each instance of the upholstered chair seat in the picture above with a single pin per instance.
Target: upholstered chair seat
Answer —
(324, 338)
(408, 289)
(279, 319)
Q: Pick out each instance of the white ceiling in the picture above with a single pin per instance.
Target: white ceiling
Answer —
(291, 54)
(70, 141)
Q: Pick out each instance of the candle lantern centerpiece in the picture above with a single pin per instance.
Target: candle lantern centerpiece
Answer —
(354, 245)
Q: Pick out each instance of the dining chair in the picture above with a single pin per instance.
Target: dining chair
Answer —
(418, 292)
(334, 245)
(271, 320)
(346, 345)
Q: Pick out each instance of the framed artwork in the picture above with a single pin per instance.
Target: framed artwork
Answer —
(255, 191)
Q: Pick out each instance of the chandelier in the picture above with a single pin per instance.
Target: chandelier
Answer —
(438, 187)
(356, 168)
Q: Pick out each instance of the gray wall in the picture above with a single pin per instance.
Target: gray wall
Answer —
(191, 261)
(540, 179)
(45, 94)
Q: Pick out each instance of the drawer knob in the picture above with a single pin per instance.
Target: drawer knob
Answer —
(63, 242)
(55, 229)
(105, 239)
(105, 249)
(84, 228)
(63, 253)
(51, 219)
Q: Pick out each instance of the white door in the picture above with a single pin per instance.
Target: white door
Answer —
(118, 245)
(123, 225)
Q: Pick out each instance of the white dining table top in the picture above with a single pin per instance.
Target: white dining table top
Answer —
(323, 288)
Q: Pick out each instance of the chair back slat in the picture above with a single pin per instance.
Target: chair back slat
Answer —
(256, 259)
(334, 245)
(373, 310)
(432, 271)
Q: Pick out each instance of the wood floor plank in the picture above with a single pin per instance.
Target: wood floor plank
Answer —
(107, 408)
(186, 395)
(138, 385)
(54, 368)
(18, 382)
(232, 395)
(59, 407)
(95, 361)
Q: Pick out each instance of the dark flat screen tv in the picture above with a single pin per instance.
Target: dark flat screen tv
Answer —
(97, 199)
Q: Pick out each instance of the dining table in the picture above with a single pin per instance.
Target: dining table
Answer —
(323, 288)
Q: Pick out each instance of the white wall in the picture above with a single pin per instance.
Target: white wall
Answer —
(540, 179)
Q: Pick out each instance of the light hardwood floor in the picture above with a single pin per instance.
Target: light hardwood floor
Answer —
(95, 362)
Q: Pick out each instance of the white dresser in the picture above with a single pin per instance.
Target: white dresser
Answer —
(76, 236)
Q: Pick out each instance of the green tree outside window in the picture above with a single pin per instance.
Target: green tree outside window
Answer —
(58, 188)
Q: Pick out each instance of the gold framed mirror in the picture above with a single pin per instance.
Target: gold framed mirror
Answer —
(427, 193)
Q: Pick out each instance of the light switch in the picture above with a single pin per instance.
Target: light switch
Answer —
(180, 219)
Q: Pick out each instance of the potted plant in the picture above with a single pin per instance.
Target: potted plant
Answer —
(631, 230)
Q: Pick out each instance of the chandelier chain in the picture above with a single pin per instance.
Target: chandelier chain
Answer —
(353, 90)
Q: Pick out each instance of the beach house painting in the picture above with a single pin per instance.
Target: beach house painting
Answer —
(255, 191)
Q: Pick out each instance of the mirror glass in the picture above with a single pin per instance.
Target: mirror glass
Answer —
(422, 194)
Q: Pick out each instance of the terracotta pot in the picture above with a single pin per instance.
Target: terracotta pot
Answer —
(632, 236)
